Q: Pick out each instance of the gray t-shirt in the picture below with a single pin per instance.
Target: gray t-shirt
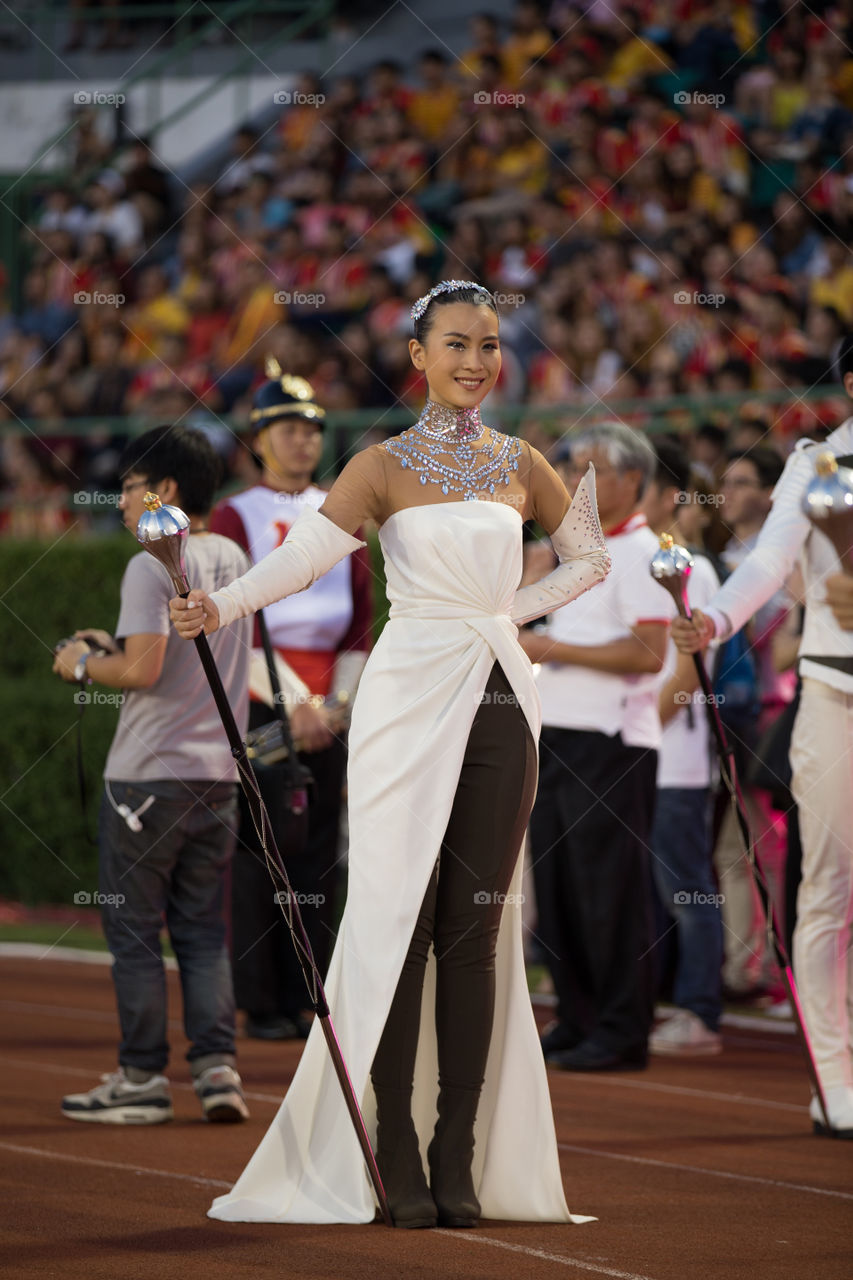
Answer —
(172, 730)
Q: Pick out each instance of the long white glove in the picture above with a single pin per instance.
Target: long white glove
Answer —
(582, 551)
(312, 547)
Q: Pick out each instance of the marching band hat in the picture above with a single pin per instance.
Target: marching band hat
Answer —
(284, 396)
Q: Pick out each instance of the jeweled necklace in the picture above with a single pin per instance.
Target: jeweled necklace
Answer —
(439, 447)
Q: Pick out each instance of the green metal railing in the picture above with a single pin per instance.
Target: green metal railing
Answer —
(345, 429)
(682, 413)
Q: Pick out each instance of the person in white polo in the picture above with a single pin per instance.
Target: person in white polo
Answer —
(590, 826)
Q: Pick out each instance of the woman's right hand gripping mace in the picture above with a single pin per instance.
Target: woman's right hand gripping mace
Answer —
(671, 567)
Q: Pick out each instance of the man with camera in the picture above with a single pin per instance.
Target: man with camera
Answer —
(168, 815)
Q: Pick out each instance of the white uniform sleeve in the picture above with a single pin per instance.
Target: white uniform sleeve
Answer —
(314, 544)
(772, 558)
(582, 551)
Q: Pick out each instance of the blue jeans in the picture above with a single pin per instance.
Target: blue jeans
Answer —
(173, 870)
(681, 865)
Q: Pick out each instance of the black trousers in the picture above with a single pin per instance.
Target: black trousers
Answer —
(462, 907)
(589, 843)
(267, 976)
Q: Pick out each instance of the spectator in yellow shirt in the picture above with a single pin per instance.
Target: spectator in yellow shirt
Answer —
(530, 40)
(432, 109)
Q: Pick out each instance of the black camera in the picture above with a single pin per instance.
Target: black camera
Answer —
(88, 639)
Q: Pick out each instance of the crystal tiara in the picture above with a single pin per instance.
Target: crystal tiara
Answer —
(447, 286)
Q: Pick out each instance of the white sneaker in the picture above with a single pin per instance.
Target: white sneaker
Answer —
(686, 1035)
(839, 1104)
(118, 1101)
(220, 1091)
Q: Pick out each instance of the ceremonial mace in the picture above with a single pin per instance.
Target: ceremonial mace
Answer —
(828, 504)
(671, 567)
(163, 531)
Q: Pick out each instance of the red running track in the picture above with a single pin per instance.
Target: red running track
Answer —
(702, 1169)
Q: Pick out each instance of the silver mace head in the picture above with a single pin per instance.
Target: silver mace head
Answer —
(828, 504)
(163, 531)
(671, 566)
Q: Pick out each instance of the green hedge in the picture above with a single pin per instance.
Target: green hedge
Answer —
(48, 591)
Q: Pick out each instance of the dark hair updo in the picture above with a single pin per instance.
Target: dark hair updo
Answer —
(423, 316)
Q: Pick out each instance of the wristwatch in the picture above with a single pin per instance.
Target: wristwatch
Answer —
(80, 675)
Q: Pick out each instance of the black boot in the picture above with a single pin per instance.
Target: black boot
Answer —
(450, 1155)
(399, 1160)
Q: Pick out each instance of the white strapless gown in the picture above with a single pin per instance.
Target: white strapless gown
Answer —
(452, 572)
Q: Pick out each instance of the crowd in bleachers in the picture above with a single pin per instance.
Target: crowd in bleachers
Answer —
(662, 201)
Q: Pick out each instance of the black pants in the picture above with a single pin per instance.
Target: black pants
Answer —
(589, 843)
(461, 910)
(267, 976)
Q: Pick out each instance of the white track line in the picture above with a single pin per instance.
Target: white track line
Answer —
(710, 1173)
(464, 1237)
(656, 1087)
(112, 1164)
(17, 1006)
(749, 1021)
(216, 1182)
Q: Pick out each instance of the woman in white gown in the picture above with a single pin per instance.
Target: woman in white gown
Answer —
(441, 779)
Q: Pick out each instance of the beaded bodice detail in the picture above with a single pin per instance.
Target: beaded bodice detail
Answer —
(453, 449)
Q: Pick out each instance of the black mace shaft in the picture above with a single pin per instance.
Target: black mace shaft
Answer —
(162, 532)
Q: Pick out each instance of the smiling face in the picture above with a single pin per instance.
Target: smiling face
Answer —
(460, 354)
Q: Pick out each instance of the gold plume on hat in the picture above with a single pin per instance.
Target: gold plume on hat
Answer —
(299, 388)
